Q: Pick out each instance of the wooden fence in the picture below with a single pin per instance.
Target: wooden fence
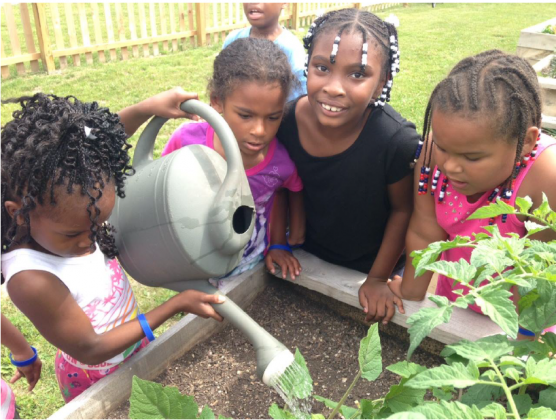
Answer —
(58, 35)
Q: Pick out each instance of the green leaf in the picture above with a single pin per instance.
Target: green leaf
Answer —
(276, 412)
(512, 373)
(542, 312)
(370, 354)
(524, 203)
(494, 410)
(206, 413)
(547, 398)
(150, 400)
(488, 253)
(296, 380)
(448, 410)
(441, 394)
(346, 411)
(317, 416)
(533, 227)
(480, 393)
(497, 305)
(523, 403)
(423, 322)
(406, 369)
(487, 348)
(492, 210)
(430, 254)
(457, 375)
(402, 398)
(541, 372)
(461, 271)
(543, 210)
(541, 413)
(407, 415)
(367, 408)
(511, 361)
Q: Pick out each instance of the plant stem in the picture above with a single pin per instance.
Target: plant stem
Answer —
(506, 390)
(344, 397)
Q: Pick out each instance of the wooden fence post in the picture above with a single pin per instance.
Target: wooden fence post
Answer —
(295, 16)
(357, 5)
(200, 15)
(44, 39)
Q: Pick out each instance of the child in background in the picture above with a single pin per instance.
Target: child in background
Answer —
(249, 86)
(63, 163)
(264, 20)
(353, 151)
(27, 363)
(482, 141)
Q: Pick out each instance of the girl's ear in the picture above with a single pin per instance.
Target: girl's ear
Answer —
(531, 136)
(12, 207)
(217, 104)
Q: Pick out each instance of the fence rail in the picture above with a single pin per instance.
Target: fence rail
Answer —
(58, 35)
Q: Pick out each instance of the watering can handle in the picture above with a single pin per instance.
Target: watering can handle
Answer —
(144, 149)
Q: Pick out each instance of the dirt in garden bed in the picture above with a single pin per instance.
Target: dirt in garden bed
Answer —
(220, 371)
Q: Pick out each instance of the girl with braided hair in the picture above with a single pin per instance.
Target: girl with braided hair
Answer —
(63, 163)
(353, 151)
(481, 141)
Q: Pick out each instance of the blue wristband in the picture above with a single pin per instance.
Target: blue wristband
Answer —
(146, 327)
(25, 362)
(278, 246)
(526, 332)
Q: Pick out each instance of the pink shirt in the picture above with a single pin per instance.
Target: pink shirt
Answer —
(452, 215)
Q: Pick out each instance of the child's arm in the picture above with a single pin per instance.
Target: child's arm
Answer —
(21, 350)
(46, 301)
(297, 218)
(375, 297)
(278, 224)
(165, 104)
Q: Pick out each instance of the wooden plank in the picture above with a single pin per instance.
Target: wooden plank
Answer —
(120, 27)
(108, 393)
(181, 12)
(28, 33)
(110, 30)
(295, 16)
(200, 16)
(132, 29)
(343, 284)
(215, 36)
(120, 44)
(153, 28)
(5, 68)
(163, 25)
(85, 31)
(537, 41)
(98, 32)
(45, 47)
(14, 37)
(230, 13)
(22, 58)
(58, 33)
(548, 122)
(143, 21)
(71, 32)
(191, 21)
(173, 26)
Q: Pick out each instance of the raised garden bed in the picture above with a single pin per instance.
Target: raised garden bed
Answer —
(548, 92)
(533, 45)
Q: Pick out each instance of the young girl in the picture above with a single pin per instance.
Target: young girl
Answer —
(483, 141)
(27, 363)
(63, 163)
(249, 86)
(353, 151)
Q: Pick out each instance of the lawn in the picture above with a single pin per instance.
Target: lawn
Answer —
(432, 40)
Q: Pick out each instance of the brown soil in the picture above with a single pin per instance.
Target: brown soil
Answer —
(220, 372)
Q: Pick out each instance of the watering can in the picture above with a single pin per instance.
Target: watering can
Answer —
(187, 217)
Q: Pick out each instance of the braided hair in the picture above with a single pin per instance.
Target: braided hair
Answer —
(494, 84)
(383, 34)
(53, 142)
(250, 60)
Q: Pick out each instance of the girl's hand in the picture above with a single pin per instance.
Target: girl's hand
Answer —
(378, 301)
(395, 285)
(285, 260)
(31, 372)
(199, 303)
(167, 104)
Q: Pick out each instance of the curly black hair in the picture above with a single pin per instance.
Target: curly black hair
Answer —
(47, 145)
(250, 60)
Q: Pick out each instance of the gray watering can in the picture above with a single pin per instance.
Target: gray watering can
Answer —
(187, 215)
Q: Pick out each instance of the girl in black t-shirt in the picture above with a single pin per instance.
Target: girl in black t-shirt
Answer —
(353, 151)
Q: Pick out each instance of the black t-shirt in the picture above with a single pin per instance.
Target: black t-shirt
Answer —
(346, 197)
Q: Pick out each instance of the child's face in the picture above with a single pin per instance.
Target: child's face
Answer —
(253, 111)
(64, 229)
(340, 93)
(469, 152)
(263, 15)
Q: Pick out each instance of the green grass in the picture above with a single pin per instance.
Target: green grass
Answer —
(432, 41)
